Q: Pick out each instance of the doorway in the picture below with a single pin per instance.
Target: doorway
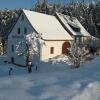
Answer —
(65, 47)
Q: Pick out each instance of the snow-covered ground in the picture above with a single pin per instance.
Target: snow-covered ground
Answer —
(51, 82)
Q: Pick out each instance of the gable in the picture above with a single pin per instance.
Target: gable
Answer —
(48, 26)
(21, 23)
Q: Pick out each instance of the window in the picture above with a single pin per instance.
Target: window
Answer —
(25, 30)
(18, 30)
(12, 48)
(12, 59)
(52, 50)
(78, 39)
(22, 18)
(76, 29)
(98, 27)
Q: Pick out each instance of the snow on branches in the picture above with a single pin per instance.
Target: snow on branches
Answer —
(77, 54)
(30, 43)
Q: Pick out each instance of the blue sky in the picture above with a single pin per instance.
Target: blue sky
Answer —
(12, 4)
(16, 3)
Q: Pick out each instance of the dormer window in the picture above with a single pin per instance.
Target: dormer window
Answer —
(76, 29)
(18, 31)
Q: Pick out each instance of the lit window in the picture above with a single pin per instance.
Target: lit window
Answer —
(18, 30)
(52, 50)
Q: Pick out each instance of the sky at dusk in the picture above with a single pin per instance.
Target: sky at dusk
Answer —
(12, 4)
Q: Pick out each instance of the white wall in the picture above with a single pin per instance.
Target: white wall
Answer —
(14, 38)
(45, 50)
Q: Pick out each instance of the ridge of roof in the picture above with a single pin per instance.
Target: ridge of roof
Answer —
(47, 25)
(83, 31)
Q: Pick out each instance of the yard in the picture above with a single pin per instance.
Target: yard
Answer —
(56, 81)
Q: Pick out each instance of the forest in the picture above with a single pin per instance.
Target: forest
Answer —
(87, 14)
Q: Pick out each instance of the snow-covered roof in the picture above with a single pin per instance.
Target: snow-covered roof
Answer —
(47, 25)
(72, 21)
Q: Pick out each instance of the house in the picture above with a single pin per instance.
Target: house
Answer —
(56, 38)
(73, 27)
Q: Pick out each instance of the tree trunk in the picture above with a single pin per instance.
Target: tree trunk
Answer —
(28, 63)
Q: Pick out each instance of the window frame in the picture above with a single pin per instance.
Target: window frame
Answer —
(51, 50)
(12, 48)
(22, 17)
(25, 30)
(18, 30)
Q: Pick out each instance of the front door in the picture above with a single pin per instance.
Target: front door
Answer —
(65, 47)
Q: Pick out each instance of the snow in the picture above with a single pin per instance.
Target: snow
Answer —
(52, 81)
(66, 19)
(40, 23)
(58, 60)
(83, 30)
